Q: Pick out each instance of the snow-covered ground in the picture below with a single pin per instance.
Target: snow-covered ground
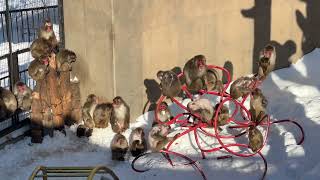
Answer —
(292, 93)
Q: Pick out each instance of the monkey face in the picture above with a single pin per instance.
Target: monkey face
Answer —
(267, 51)
(117, 101)
(92, 98)
(163, 106)
(200, 61)
(48, 26)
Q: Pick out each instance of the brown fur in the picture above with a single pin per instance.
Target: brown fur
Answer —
(64, 59)
(37, 70)
(157, 137)
(49, 35)
(194, 71)
(202, 107)
(8, 101)
(120, 116)
(102, 115)
(137, 142)
(255, 139)
(119, 147)
(40, 49)
(241, 87)
(170, 83)
(23, 95)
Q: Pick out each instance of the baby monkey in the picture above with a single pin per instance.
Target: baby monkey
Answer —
(164, 114)
(23, 95)
(213, 81)
(137, 142)
(120, 116)
(169, 83)
(158, 137)
(102, 115)
(119, 147)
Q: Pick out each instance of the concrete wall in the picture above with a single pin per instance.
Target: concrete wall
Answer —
(122, 44)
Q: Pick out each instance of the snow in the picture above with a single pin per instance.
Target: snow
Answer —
(293, 93)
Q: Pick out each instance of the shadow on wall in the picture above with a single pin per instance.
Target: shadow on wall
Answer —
(261, 14)
(310, 25)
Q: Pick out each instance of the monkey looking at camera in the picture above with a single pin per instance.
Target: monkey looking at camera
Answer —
(137, 142)
(119, 147)
(37, 70)
(266, 61)
(120, 116)
(158, 137)
(203, 108)
(23, 95)
(64, 59)
(164, 114)
(102, 115)
(8, 102)
(242, 87)
(46, 32)
(255, 139)
(194, 71)
(169, 83)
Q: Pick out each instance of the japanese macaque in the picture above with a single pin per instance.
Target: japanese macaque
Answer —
(8, 102)
(194, 71)
(23, 95)
(102, 115)
(137, 142)
(46, 32)
(223, 114)
(255, 139)
(169, 83)
(83, 130)
(158, 137)
(64, 59)
(88, 109)
(242, 87)
(38, 69)
(258, 105)
(120, 117)
(267, 61)
(119, 147)
(203, 108)
(164, 114)
(213, 80)
(40, 49)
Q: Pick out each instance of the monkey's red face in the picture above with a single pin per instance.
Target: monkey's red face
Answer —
(45, 61)
(201, 63)
(163, 107)
(48, 26)
(21, 88)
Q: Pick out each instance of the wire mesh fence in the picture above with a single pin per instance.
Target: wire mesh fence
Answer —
(20, 21)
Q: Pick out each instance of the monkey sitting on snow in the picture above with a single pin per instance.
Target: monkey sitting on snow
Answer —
(164, 114)
(87, 116)
(120, 117)
(203, 108)
(137, 142)
(119, 147)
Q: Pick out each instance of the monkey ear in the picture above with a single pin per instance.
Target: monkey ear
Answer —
(160, 75)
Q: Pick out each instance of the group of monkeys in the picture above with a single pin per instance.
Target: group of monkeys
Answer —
(96, 114)
(198, 77)
(19, 98)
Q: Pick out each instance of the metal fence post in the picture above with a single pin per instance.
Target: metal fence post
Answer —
(61, 24)
(8, 28)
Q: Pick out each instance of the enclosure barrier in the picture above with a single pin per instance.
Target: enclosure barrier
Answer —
(63, 172)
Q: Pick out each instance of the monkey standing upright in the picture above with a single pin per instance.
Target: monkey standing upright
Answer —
(46, 32)
(164, 114)
(23, 95)
(170, 83)
(120, 116)
(8, 100)
(194, 71)
(137, 142)
(102, 115)
(119, 147)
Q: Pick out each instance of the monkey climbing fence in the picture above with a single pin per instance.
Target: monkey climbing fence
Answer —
(233, 123)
